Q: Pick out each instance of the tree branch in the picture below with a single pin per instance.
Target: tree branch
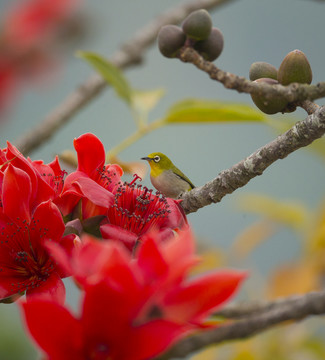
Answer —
(293, 93)
(301, 134)
(292, 308)
(130, 53)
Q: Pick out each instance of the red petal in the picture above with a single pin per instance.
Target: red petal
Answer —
(54, 329)
(16, 190)
(51, 289)
(114, 232)
(176, 218)
(91, 153)
(48, 218)
(202, 296)
(19, 161)
(150, 259)
(62, 253)
(94, 192)
(55, 166)
(181, 246)
(106, 312)
(151, 339)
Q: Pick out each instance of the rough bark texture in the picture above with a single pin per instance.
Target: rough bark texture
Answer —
(300, 135)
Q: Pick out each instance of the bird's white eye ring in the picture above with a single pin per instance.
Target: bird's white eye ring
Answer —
(156, 159)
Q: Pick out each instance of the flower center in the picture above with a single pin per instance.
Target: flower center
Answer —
(107, 177)
(137, 209)
(27, 266)
(99, 352)
(55, 181)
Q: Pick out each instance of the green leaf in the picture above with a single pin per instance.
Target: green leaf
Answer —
(112, 74)
(200, 111)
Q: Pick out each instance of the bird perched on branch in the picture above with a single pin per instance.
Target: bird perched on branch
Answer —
(166, 177)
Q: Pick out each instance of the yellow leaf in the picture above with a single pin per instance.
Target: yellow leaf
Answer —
(294, 278)
(206, 354)
(251, 237)
(200, 111)
(316, 239)
(145, 100)
(245, 355)
(210, 259)
(290, 213)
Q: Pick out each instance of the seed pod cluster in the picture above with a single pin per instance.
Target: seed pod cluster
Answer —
(294, 67)
(197, 31)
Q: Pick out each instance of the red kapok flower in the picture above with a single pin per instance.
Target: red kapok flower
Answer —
(32, 34)
(32, 22)
(46, 179)
(92, 182)
(136, 211)
(147, 299)
(99, 332)
(25, 265)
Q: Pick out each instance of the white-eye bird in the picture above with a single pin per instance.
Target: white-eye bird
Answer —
(166, 177)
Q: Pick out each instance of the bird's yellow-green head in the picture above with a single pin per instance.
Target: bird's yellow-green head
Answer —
(158, 163)
(166, 177)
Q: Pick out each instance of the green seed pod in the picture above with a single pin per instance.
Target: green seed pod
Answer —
(269, 106)
(211, 48)
(261, 69)
(295, 67)
(198, 25)
(170, 39)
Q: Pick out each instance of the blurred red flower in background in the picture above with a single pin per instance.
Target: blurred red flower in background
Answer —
(31, 36)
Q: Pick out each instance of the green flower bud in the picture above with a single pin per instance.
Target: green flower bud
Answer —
(295, 67)
(211, 48)
(269, 106)
(170, 39)
(261, 69)
(198, 25)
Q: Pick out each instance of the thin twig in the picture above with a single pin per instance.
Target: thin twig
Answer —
(301, 134)
(292, 308)
(130, 53)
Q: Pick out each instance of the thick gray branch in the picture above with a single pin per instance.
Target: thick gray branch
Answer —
(130, 53)
(300, 135)
(292, 308)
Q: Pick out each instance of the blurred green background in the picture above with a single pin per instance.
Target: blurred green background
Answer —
(254, 30)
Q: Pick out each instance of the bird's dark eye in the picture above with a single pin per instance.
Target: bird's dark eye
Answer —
(156, 158)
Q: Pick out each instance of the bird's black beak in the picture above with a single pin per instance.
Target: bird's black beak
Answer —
(146, 158)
